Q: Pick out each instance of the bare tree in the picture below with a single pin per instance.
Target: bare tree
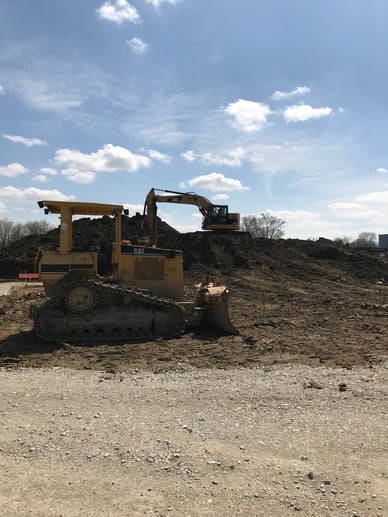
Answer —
(344, 241)
(36, 227)
(18, 231)
(365, 240)
(10, 231)
(263, 226)
(5, 231)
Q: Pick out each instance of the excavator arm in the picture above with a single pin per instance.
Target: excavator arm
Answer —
(215, 217)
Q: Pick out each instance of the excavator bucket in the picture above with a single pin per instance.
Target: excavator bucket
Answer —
(214, 299)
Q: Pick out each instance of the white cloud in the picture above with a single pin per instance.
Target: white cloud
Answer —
(137, 46)
(295, 215)
(374, 197)
(133, 208)
(48, 171)
(382, 170)
(1, 90)
(78, 176)
(44, 172)
(160, 157)
(32, 194)
(12, 169)
(342, 206)
(157, 3)
(303, 112)
(249, 116)
(369, 210)
(3, 207)
(216, 183)
(29, 142)
(41, 178)
(118, 12)
(40, 94)
(299, 90)
(230, 158)
(220, 197)
(108, 159)
(353, 210)
(189, 156)
(307, 225)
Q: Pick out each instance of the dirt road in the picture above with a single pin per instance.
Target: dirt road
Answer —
(256, 442)
(6, 287)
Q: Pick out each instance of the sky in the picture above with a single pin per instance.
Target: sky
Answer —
(276, 107)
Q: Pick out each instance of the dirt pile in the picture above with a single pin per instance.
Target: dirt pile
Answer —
(209, 250)
(291, 300)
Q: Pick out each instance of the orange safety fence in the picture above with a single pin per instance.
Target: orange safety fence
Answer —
(28, 276)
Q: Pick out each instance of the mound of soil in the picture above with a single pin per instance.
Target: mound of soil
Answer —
(221, 251)
(291, 300)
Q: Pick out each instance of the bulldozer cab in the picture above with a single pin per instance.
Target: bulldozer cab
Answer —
(53, 265)
(138, 266)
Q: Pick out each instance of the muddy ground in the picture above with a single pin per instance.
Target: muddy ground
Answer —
(323, 317)
(309, 302)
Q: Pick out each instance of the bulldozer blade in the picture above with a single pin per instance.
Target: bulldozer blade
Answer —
(216, 308)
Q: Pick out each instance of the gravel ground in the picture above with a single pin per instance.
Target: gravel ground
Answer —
(6, 287)
(195, 442)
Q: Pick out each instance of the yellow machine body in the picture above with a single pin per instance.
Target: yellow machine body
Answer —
(142, 297)
(156, 269)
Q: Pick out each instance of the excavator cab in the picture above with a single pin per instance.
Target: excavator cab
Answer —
(219, 218)
(218, 214)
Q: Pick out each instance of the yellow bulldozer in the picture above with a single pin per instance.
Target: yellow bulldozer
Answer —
(141, 298)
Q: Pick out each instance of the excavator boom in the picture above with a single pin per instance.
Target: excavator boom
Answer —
(215, 217)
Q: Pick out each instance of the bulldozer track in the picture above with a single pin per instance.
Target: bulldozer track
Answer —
(118, 314)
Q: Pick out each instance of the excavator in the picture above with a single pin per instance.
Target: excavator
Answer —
(215, 217)
(142, 297)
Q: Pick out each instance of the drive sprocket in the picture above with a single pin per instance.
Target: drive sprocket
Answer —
(81, 297)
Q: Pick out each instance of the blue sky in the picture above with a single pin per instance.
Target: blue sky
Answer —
(277, 106)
